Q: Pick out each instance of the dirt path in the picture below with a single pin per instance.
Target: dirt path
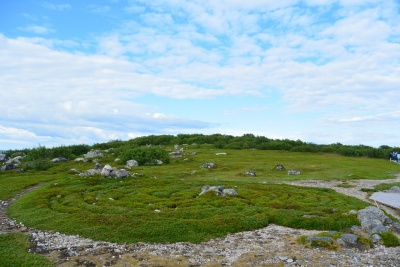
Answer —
(271, 246)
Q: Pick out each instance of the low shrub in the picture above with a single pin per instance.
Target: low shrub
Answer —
(38, 165)
(144, 155)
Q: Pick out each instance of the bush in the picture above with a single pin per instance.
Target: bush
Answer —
(38, 165)
(144, 155)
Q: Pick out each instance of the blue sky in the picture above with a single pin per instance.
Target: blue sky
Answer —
(83, 72)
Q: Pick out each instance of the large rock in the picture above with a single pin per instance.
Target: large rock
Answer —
(15, 161)
(373, 220)
(219, 190)
(94, 154)
(96, 170)
(209, 165)
(280, 167)
(350, 239)
(8, 166)
(106, 171)
(109, 171)
(3, 157)
(57, 160)
(293, 172)
(132, 163)
(120, 173)
(394, 189)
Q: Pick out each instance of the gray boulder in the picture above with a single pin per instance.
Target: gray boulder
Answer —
(15, 161)
(250, 173)
(396, 227)
(349, 239)
(231, 192)
(57, 160)
(280, 167)
(376, 238)
(293, 172)
(81, 159)
(8, 166)
(107, 170)
(209, 165)
(3, 157)
(94, 154)
(132, 163)
(372, 219)
(120, 173)
(394, 189)
(219, 190)
(95, 170)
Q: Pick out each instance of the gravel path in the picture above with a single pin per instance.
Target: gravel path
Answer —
(271, 246)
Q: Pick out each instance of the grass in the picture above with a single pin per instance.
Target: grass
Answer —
(125, 210)
(13, 252)
(389, 239)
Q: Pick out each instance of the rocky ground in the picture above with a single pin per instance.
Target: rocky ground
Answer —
(271, 246)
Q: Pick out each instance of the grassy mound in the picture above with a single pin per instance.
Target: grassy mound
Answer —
(162, 203)
(171, 210)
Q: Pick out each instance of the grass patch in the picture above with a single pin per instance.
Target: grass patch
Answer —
(385, 186)
(10, 185)
(14, 252)
(345, 185)
(389, 239)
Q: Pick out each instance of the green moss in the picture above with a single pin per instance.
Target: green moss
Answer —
(389, 239)
(14, 252)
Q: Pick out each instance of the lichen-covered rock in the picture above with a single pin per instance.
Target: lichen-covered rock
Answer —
(132, 163)
(120, 173)
(57, 160)
(208, 165)
(3, 157)
(372, 219)
(394, 189)
(94, 154)
(350, 239)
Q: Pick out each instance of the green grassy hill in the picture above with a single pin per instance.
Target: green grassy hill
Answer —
(162, 203)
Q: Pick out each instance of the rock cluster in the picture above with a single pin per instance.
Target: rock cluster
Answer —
(109, 171)
(94, 154)
(373, 221)
(9, 163)
(219, 190)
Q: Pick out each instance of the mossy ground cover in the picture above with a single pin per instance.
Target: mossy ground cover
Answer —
(13, 248)
(162, 203)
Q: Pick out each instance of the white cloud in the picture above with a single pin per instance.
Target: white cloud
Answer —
(99, 9)
(159, 116)
(16, 133)
(336, 59)
(56, 7)
(42, 30)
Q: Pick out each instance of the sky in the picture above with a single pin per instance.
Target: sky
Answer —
(85, 72)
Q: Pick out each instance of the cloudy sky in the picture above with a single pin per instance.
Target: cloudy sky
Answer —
(83, 72)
